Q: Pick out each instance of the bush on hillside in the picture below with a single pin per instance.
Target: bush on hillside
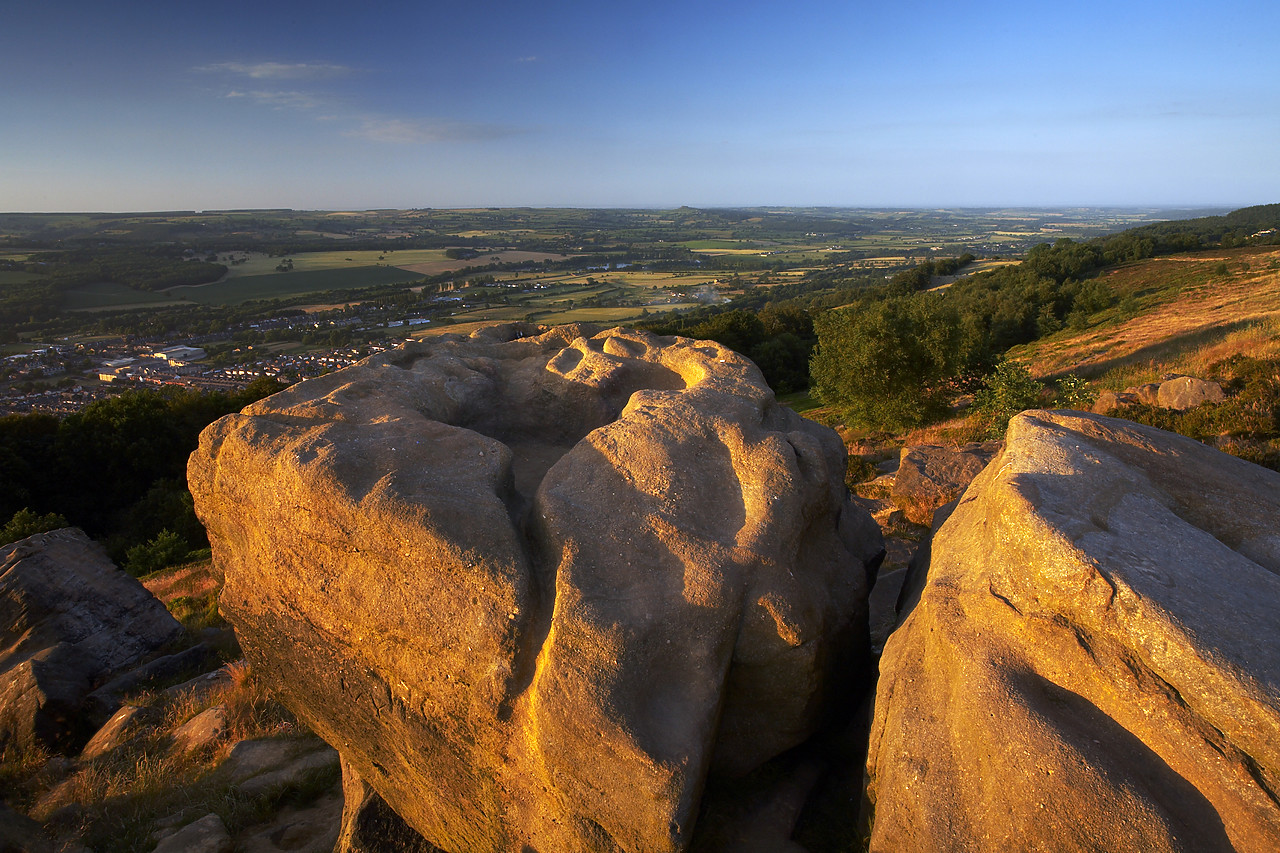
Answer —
(1008, 390)
(167, 549)
(26, 523)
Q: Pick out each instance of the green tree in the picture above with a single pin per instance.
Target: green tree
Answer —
(1074, 392)
(893, 364)
(27, 523)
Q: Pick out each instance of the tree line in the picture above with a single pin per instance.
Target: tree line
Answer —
(894, 357)
(117, 468)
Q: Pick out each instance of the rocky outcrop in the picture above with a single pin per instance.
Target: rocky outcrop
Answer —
(929, 475)
(1091, 663)
(1186, 392)
(1173, 392)
(536, 587)
(1109, 401)
(68, 617)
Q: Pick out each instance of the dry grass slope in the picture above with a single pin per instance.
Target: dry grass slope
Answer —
(1175, 314)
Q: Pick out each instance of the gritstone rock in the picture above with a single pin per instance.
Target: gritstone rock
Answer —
(534, 587)
(1109, 400)
(1186, 392)
(1092, 661)
(929, 476)
(68, 617)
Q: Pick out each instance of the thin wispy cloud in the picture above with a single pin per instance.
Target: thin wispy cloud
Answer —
(421, 132)
(280, 70)
(309, 95)
(280, 100)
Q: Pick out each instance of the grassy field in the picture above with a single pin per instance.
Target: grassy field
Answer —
(16, 277)
(105, 295)
(259, 264)
(421, 261)
(232, 291)
(443, 264)
(1179, 313)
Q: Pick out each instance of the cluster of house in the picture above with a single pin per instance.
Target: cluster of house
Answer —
(178, 365)
(157, 365)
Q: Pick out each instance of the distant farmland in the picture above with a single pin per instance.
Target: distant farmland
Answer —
(108, 295)
(233, 291)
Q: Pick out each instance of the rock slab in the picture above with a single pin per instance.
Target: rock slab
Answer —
(536, 585)
(929, 475)
(1092, 661)
(68, 617)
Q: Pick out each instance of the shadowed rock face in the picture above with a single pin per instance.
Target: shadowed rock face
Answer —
(535, 588)
(68, 618)
(1092, 663)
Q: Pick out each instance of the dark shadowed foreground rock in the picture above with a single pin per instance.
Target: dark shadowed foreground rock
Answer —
(68, 617)
(1093, 661)
(536, 589)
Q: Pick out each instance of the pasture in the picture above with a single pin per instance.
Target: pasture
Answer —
(110, 296)
(259, 264)
(233, 291)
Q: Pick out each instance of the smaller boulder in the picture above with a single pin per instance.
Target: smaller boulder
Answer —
(1187, 392)
(1111, 400)
(258, 766)
(68, 617)
(125, 725)
(204, 729)
(930, 476)
(206, 684)
(206, 835)
(1148, 394)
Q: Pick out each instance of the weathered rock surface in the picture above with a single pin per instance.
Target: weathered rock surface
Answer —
(1092, 663)
(258, 766)
(1110, 400)
(1187, 392)
(68, 617)
(369, 825)
(1148, 393)
(206, 835)
(312, 828)
(201, 731)
(105, 700)
(536, 588)
(929, 475)
(126, 724)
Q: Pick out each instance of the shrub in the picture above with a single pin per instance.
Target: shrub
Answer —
(26, 523)
(167, 549)
(859, 470)
(1009, 390)
(1075, 393)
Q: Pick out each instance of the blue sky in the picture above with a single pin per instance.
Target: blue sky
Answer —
(152, 106)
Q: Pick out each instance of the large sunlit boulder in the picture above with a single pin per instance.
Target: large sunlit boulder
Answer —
(536, 585)
(1091, 662)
